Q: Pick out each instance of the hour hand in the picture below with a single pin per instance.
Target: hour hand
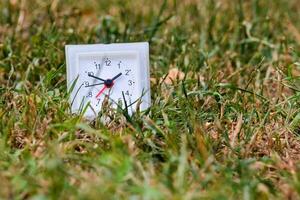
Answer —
(90, 75)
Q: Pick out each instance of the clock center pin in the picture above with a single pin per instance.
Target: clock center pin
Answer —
(109, 83)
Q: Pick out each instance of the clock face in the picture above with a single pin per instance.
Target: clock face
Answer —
(114, 75)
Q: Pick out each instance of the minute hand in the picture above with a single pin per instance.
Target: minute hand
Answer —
(117, 76)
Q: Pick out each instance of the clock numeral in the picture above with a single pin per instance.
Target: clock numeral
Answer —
(127, 72)
(107, 62)
(97, 65)
(90, 94)
(98, 102)
(130, 82)
(86, 83)
(91, 73)
(119, 64)
(127, 93)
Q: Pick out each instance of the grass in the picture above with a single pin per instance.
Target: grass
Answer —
(224, 122)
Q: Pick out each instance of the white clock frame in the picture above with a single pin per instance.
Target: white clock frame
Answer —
(141, 48)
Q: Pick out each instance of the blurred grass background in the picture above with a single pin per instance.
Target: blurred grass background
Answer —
(225, 119)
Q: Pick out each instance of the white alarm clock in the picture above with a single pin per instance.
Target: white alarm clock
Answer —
(114, 73)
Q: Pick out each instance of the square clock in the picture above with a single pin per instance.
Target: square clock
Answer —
(113, 75)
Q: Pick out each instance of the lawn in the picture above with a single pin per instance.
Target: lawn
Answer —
(225, 87)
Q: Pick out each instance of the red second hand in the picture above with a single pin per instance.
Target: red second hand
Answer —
(101, 91)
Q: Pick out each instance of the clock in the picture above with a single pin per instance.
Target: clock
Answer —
(115, 75)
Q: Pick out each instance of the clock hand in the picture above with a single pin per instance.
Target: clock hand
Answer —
(108, 84)
(90, 75)
(94, 85)
(101, 91)
(117, 76)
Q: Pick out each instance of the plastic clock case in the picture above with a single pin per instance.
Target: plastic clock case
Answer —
(74, 52)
